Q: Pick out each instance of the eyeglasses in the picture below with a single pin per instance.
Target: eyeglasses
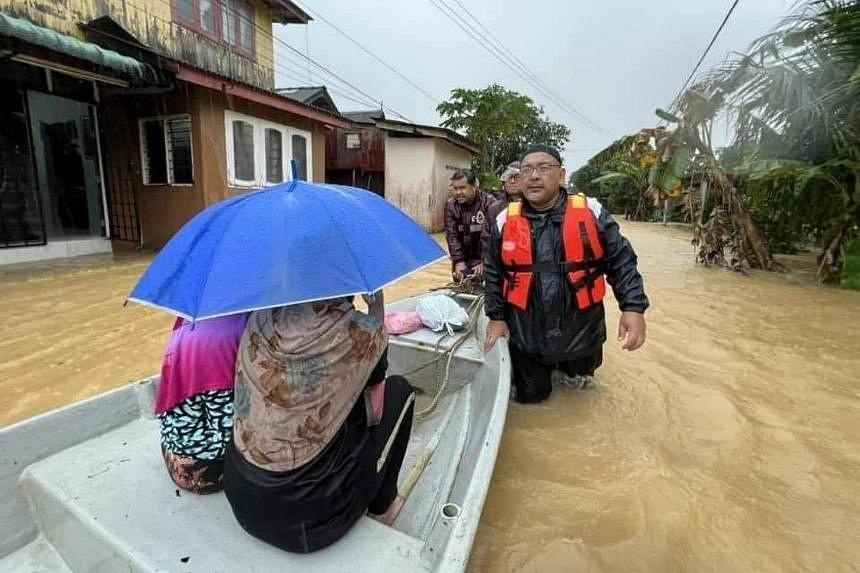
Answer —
(543, 169)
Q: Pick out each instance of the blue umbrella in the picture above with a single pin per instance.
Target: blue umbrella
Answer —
(293, 243)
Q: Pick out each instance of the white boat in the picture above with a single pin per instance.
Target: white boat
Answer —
(84, 488)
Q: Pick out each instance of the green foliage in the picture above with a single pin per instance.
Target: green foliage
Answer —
(502, 123)
(794, 201)
(851, 267)
(582, 180)
(795, 99)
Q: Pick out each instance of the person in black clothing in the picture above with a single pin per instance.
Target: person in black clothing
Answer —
(465, 217)
(320, 430)
(547, 301)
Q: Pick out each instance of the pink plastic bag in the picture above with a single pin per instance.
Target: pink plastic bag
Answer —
(403, 322)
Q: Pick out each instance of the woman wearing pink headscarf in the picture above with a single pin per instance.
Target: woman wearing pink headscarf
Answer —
(194, 404)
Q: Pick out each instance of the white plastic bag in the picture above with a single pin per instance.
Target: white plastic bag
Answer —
(439, 312)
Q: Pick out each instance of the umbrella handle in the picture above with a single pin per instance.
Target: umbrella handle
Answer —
(294, 169)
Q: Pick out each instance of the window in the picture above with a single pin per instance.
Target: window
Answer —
(353, 141)
(239, 25)
(243, 150)
(228, 21)
(259, 151)
(300, 156)
(209, 17)
(274, 156)
(166, 152)
(229, 24)
(185, 11)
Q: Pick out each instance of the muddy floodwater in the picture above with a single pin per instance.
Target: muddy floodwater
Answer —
(728, 443)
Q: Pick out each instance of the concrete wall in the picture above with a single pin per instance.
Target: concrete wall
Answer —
(409, 177)
(151, 22)
(162, 210)
(417, 173)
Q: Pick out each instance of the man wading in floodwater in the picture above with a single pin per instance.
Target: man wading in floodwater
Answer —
(544, 270)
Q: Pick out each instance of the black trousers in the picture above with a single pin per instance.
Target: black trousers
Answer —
(313, 506)
(397, 392)
(533, 378)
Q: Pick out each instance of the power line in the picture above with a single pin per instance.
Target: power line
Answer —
(499, 55)
(559, 100)
(326, 70)
(266, 33)
(274, 64)
(705, 53)
(470, 30)
(341, 93)
(346, 35)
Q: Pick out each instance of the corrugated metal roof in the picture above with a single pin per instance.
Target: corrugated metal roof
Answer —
(316, 96)
(416, 129)
(286, 12)
(364, 116)
(26, 31)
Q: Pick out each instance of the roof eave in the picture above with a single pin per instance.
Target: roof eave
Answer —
(272, 99)
(286, 12)
(428, 131)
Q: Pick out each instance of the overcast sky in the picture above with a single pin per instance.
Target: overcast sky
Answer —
(615, 61)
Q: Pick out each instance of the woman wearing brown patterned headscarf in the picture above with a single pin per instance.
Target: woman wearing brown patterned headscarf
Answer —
(312, 452)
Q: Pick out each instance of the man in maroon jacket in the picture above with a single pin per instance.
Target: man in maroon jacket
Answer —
(465, 215)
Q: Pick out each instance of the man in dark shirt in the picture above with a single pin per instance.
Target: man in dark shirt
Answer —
(465, 216)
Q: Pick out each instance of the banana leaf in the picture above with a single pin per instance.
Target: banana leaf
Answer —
(675, 169)
(767, 169)
(666, 116)
(655, 174)
(611, 176)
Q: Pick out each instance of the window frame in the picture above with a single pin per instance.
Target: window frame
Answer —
(238, 19)
(260, 126)
(218, 35)
(347, 137)
(163, 119)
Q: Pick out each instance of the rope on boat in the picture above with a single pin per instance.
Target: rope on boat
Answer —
(424, 458)
(473, 310)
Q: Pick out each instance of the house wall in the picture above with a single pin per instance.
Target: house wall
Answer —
(369, 157)
(162, 210)
(417, 174)
(151, 22)
(409, 177)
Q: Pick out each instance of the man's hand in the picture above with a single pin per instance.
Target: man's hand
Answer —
(631, 330)
(479, 271)
(375, 305)
(459, 270)
(495, 330)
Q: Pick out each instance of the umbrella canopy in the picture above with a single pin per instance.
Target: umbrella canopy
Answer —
(293, 243)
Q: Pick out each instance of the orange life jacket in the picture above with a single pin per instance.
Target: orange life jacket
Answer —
(583, 254)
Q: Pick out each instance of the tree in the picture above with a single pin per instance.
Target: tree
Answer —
(617, 178)
(623, 182)
(795, 98)
(582, 180)
(502, 123)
